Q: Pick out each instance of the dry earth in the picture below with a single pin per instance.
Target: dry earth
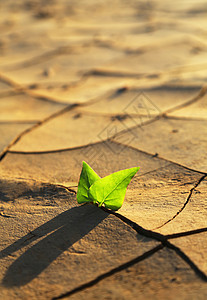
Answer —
(118, 84)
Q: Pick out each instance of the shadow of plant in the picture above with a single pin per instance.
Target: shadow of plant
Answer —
(57, 235)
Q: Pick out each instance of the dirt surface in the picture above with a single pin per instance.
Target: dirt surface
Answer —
(117, 84)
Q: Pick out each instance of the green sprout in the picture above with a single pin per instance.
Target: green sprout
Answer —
(108, 191)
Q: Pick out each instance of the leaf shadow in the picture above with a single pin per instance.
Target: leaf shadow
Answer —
(57, 235)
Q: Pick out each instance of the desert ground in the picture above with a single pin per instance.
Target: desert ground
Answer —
(117, 84)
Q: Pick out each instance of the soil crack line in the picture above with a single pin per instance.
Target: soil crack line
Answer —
(147, 233)
(163, 114)
(54, 151)
(42, 57)
(186, 202)
(67, 188)
(157, 155)
(110, 273)
(21, 89)
(195, 99)
(54, 115)
(161, 238)
(185, 233)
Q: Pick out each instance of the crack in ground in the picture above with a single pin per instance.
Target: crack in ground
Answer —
(54, 151)
(119, 116)
(153, 234)
(71, 106)
(67, 188)
(164, 113)
(163, 239)
(66, 109)
(42, 57)
(147, 233)
(62, 50)
(113, 141)
(160, 237)
(110, 273)
(121, 74)
(195, 99)
(150, 234)
(186, 233)
(157, 155)
(155, 118)
(183, 118)
(186, 202)
(21, 89)
(18, 137)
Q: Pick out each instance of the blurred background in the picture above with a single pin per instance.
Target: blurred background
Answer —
(98, 56)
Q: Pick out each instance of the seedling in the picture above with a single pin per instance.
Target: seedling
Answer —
(108, 191)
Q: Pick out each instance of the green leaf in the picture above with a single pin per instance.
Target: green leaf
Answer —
(87, 177)
(111, 189)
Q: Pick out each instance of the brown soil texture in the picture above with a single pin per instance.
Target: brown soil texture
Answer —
(117, 84)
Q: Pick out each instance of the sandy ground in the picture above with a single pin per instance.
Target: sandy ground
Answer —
(117, 84)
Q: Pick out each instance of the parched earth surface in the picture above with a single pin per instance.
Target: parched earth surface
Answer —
(117, 84)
